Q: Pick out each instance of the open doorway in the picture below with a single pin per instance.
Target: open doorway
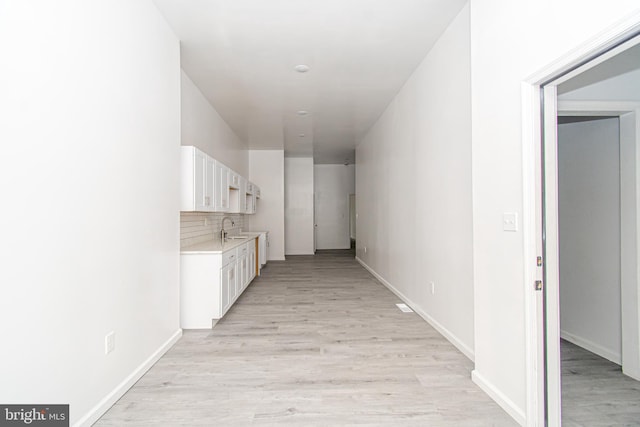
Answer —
(594, 388)
(599, 292)
(352, 220)
(333, 185)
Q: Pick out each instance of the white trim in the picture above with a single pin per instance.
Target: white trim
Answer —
(595, 108)
(466, 350)
(552, 257)
(500, 398)
(110, 399)
(601, 351)
(532, 248)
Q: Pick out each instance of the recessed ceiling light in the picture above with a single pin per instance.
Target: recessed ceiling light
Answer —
(303, 112)
(302, 68)
(301, 135)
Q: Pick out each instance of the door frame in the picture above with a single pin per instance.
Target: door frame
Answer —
(540, 238)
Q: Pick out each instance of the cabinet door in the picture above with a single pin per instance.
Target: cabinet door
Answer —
(222, 187)
(200, 180)
(252, 263)
(249, 204)
(210, 182)
(197, 180)
(233, 282)
(242, 273)
(234, 179)
(242, 200)
(226, 275)
(247, 271)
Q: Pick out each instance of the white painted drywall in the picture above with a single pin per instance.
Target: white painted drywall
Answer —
(507, 47)
(89, 176)
(413, 176)
(203, 127)
(298, 203)
(266, 169)
(333, 185)
(623, 87)
(589, 231)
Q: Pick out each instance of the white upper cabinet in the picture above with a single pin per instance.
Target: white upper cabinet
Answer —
(237, 201)
(242, 201)
(234, 180)
(222, 188)
(250, 198)
(210, 186)
(198, 180)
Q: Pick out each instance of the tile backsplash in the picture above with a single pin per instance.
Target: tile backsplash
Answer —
(196, 227)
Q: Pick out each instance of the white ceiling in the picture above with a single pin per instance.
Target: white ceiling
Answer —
(242, 54)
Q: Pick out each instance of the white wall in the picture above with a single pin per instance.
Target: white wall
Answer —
(623, 87)
(413, 189)
(298, 202)
(589, 231)
(507, 47)
(333, 185)
(266, 169)
(203, 127)
(89, 175)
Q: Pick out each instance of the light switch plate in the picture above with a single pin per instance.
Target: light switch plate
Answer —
(510, 221)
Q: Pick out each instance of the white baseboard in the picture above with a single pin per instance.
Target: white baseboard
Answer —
(613, 356)
(505, 403)
(466, 350)
(110, 399)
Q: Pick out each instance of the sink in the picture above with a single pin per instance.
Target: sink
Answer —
(236, 237)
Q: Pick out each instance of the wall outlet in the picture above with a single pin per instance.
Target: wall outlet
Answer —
(433, 288)
(109, 342)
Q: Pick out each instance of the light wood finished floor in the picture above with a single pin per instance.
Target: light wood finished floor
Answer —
(595, 392)
(314, 341)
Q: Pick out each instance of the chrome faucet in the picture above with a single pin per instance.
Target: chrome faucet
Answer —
(223, 233)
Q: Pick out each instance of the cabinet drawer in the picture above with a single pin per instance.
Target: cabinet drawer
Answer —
(229, 257)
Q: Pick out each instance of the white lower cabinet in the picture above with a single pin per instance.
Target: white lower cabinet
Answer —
(211, 282)
(227, 288)
(251, 261)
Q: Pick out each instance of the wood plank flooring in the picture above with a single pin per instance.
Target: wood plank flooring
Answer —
(314, 341)
(595, 392)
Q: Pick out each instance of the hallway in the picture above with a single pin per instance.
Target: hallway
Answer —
(314, 341)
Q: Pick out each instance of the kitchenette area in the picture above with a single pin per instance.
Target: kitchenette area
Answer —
(219, 258)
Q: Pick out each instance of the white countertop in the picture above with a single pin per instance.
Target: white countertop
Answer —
(215, 246)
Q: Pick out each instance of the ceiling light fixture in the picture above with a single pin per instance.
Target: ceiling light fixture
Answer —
(302, 68)
(303, 112)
